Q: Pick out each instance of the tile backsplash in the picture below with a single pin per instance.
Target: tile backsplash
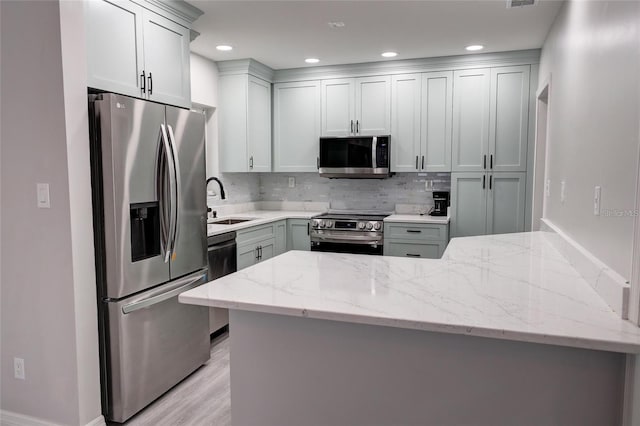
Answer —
(368, 194)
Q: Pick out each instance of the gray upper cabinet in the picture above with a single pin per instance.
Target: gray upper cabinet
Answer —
(437, 97)
(421, 122)
(137, 52)
(296, 126)
(356, 106)
(509, 117)
(244, 123)
(471, 120)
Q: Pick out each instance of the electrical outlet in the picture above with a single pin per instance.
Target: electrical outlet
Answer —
(18, 368)
(292, 182)
(596, 201)
(563, 191)
(547, 188)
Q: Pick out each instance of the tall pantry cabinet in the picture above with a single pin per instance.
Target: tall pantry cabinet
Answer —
(489, 157)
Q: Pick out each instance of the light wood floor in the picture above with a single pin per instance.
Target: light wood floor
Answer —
(202, 399)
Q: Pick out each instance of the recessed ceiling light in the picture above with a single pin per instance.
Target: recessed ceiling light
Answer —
(224, 47)
(389, 54)
(312, 60)
(474, 47)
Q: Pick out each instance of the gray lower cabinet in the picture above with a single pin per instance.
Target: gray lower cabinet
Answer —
(256, 244)
(421, 240)
(298, 234)
(487, 203)
(280, 230)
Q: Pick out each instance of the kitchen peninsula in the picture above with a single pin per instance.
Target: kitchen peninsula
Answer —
(501, 331)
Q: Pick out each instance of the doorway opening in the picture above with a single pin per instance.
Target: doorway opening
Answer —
(540, 156)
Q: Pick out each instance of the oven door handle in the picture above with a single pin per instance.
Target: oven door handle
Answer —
(347, 240)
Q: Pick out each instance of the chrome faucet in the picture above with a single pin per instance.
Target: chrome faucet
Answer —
(222, 194)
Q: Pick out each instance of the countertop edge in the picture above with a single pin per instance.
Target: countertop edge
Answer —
(501, 334)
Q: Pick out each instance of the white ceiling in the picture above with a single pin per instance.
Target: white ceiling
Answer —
(281, 34)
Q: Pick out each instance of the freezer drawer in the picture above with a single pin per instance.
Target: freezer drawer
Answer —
(155, 342)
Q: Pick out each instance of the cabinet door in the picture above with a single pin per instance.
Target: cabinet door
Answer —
(232, 122)
(468, 204)
(338, 110)
(296, 126)
(247, 256)
(298, 235)
(437, 95)
(166, 60)
(280, 229)
(114, 46)
(470, 120)
(267, 249)
(373, 105)
(405, 122)
(259, 125)
(509, 118)
(505, 202)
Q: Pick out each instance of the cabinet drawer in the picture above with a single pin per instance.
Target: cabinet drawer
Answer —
(254, 234)
(415, 231)
(429, 250)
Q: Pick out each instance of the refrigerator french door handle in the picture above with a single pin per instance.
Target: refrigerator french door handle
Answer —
(182, 285)
(161, 194)
(176, 176)
(173, 194)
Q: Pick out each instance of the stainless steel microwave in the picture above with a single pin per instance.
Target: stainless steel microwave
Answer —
(355, 157)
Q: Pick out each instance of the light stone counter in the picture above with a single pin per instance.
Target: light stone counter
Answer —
(418, 218)
(258, 217)
(513, 287)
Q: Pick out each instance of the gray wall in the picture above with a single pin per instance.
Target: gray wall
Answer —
(591, 54)
(47, 311)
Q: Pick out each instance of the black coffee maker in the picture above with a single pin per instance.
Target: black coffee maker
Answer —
(440, 203)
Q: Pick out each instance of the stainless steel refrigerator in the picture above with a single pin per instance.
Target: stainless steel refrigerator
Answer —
(149, 200)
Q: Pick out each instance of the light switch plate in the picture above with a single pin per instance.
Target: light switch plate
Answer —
(547, 188)
(596, 200)
(292, 182)
(563, 191)
(42, 191)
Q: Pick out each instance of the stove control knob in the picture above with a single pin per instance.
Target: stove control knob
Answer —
(361, 225)
(329, 223)
(316, 223)
(370, 226)
(321, 224)
(377, 226)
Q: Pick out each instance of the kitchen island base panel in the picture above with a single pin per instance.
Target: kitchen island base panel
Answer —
(302, 371)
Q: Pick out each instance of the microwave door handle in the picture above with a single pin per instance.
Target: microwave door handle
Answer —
(177, 183)
(374, 152)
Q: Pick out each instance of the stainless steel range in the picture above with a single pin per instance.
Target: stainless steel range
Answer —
(348, 232)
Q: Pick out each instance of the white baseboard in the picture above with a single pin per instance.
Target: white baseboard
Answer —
(611, 287)
(8, 418)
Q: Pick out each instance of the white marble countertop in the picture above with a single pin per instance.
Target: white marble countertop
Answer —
(512, 286)
(419, 218)
(258, 217)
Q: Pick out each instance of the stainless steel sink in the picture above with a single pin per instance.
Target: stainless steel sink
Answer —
(231, 221)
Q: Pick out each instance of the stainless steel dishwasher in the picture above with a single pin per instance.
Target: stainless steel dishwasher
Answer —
(222, 261)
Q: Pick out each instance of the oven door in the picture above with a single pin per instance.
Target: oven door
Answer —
(356, 157)
(337, 247)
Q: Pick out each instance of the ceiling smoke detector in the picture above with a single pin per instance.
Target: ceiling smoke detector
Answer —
(339, 24)
(519, 3)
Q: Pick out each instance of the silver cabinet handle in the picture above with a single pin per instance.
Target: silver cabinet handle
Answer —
(251, 162)
(182, 285)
